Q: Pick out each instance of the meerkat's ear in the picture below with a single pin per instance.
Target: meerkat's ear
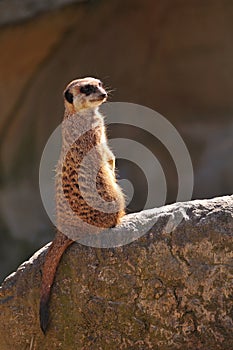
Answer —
(68, 96)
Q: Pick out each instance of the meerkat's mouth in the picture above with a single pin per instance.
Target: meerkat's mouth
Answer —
(98, 99)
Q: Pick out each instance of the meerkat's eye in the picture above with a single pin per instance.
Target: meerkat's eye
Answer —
(101, 84)
(88, 89)
(68, 96)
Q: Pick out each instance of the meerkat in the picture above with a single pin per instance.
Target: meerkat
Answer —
(83, 130)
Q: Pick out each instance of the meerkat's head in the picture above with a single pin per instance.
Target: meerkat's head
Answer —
(86, 93)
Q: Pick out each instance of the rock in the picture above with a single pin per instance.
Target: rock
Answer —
(12, 11)
(169, 289)
(172, 56)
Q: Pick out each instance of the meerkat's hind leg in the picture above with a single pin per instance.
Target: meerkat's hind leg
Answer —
(111, 163)
(110, 159)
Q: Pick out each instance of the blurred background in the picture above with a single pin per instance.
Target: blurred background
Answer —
(175, 57)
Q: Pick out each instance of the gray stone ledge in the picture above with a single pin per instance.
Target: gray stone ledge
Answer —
(12, 11)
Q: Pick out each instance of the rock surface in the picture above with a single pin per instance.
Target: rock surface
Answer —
(170, 289)
(13, 10)
(182, 54)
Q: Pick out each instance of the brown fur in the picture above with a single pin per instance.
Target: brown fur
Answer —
(83, 131)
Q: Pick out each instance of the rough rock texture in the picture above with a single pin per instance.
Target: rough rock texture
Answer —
(173, 56)
(170, 289)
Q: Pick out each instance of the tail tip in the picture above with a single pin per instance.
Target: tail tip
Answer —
(44, 316)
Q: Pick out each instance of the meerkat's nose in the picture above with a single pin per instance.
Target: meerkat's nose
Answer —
(103, 95)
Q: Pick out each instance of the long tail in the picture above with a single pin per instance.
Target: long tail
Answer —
(55, 252)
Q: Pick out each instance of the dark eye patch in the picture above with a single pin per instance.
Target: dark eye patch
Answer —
(68, 96)
(88, 89)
